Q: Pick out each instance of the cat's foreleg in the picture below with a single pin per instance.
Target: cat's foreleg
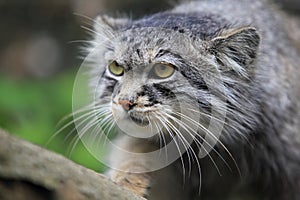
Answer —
(133, 173)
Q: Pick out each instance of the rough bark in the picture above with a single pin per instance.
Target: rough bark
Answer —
(30, 172)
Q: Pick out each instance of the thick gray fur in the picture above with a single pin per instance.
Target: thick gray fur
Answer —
(246, 43)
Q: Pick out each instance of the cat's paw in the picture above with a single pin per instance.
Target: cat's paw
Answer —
(137, 183)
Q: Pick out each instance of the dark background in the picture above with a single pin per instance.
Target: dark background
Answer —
(39, 49)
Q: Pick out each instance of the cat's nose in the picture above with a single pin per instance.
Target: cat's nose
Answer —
(126, 104)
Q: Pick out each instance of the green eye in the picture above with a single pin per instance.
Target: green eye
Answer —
(116, 69)
(163, 70)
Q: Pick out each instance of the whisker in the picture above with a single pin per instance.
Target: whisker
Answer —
(89, 125)
(177, 146)
(185, 142)
(198, 143)
(86, 108)
(222, 121)
(90, 30)
(68, 125)
(109, 124)
(84, 130)
(85, 17)
(162, 136)
(211, 134)
(102, 124)
(80, 116)
(188, 148)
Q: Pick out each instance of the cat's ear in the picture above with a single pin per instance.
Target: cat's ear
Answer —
(104, 23)
(237, 48)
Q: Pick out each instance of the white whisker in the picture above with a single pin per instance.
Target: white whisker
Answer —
(161, 137)
(176, 144)
(188, 147)
(198, 143)
(210, 134)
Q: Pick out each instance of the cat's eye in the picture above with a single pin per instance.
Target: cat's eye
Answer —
(162, 70)
(116, 69)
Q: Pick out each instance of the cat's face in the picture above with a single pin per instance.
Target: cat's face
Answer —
(147, 81)
(153, 77)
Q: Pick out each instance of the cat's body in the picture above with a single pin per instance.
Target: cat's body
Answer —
(236, 60)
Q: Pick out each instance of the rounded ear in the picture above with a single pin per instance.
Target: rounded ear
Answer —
(236, 48)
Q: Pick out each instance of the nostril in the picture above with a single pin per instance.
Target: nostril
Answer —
(125, 104)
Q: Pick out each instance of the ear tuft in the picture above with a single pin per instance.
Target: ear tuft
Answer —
(238, 45)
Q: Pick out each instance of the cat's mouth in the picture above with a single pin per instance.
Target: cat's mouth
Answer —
(139, 115)
(138, 118)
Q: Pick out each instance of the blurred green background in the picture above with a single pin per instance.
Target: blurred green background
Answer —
(39, 49)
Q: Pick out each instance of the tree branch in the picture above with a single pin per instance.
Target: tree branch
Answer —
(30, 172)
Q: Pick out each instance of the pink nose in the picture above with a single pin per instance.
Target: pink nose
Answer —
(125, 104)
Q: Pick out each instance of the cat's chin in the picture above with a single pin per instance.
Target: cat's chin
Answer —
(134, 123)
(140, 121)
(137, 128)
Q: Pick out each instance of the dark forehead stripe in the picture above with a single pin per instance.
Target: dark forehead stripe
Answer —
(202, 25)
(189, 72)
(194, 78)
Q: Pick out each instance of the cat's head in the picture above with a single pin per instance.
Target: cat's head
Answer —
(163, 69)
